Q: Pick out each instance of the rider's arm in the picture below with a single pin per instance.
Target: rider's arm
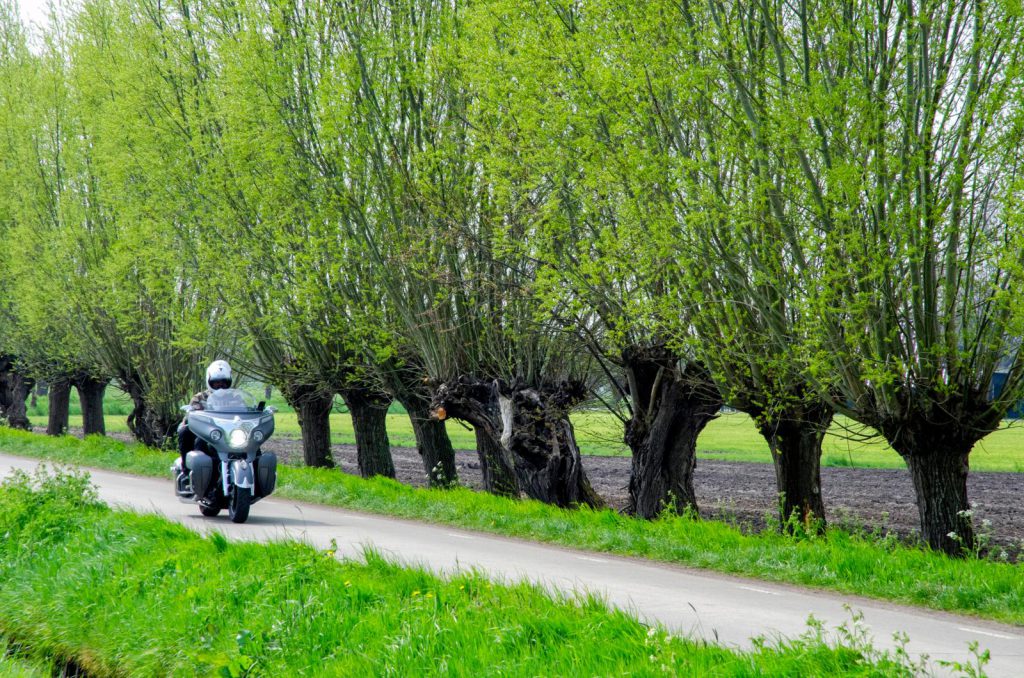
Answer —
(198, 402)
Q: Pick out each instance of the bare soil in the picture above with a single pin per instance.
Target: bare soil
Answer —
(858, 499)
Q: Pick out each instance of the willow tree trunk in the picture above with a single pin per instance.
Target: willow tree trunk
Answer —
(794, 437)
(937, 457)
(59, 397)
(473, 401)
(15, 388)
(313, 409)
(434, 446)
(90, 395)
(369, 411)
(940, 482)
(496, 467)
(671, 406)
(526, 428)
(150, 426)
(432, 441)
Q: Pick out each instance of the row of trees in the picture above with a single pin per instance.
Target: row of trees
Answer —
(499, 210)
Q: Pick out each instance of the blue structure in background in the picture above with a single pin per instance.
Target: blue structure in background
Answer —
(998, 382)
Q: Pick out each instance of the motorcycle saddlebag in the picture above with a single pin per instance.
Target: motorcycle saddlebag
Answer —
(201, 466)
(266, 474)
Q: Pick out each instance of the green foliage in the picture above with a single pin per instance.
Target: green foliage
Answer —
(105, 210)
(815, 203)
(841, 561)
(130, 598)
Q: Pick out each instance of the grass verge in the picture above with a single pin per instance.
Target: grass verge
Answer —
(869, 565)
(118, 593)
(13, 664)
(731, 437)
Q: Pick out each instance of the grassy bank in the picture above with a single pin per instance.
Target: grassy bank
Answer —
(14, 665)
(731, 437)
(119, 593)
(861, 564)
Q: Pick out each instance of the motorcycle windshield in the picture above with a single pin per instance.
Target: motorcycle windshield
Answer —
(230, 401)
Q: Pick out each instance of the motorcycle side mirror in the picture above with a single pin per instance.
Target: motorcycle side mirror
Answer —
(261, 406)
(272, 409)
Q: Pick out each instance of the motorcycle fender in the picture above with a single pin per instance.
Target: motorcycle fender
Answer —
(242, 475)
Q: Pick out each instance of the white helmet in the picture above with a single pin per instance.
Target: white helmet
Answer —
(218, 371)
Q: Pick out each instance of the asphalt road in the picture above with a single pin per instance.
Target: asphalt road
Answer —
(723, 609)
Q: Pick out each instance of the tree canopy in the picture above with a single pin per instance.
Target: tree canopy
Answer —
(499, 211)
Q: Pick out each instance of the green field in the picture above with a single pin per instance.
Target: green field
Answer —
(875, 565)
(125, 594)
(731, 437)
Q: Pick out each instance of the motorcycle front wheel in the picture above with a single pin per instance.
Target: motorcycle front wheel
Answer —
(238, 504)
(209, 511)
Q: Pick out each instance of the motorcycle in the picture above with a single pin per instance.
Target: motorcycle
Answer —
(233, 427)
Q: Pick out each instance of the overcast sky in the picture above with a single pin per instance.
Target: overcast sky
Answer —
(33, 11)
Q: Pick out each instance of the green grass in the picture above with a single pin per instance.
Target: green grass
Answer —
(730, 437)
(119, 593)
(116, 404)
(14, 665)
(860, 564)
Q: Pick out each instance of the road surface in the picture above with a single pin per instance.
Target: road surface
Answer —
(719, 608)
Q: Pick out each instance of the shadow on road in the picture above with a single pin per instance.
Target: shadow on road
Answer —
(262, 521)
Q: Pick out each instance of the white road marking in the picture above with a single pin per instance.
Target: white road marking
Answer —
(592, 560)
(459, 536)
(987, 633)
(751, 588)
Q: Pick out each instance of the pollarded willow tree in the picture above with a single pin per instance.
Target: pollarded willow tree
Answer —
(647, 202)
(132, 212)
(893, 130)
(554, 111)
(260, 199)
(287, 187)
(731, 290)
(41, 265)
(434, 225)
(16, 68)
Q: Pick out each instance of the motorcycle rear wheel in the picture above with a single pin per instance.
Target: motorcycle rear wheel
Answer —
(238, 504)
(209, 511)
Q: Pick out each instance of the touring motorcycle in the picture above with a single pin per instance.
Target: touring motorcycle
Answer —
(234, 473)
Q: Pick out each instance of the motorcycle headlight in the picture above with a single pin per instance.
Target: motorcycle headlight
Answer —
(257, 436)
(237, 438)
(216, 434)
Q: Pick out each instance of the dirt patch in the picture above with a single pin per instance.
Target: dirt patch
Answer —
(743, 493)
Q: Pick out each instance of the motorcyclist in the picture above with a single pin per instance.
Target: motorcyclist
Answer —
(218, 376)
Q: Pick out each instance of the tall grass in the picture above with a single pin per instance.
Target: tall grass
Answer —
(870, 565)
(119, 593)
(13, 663)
